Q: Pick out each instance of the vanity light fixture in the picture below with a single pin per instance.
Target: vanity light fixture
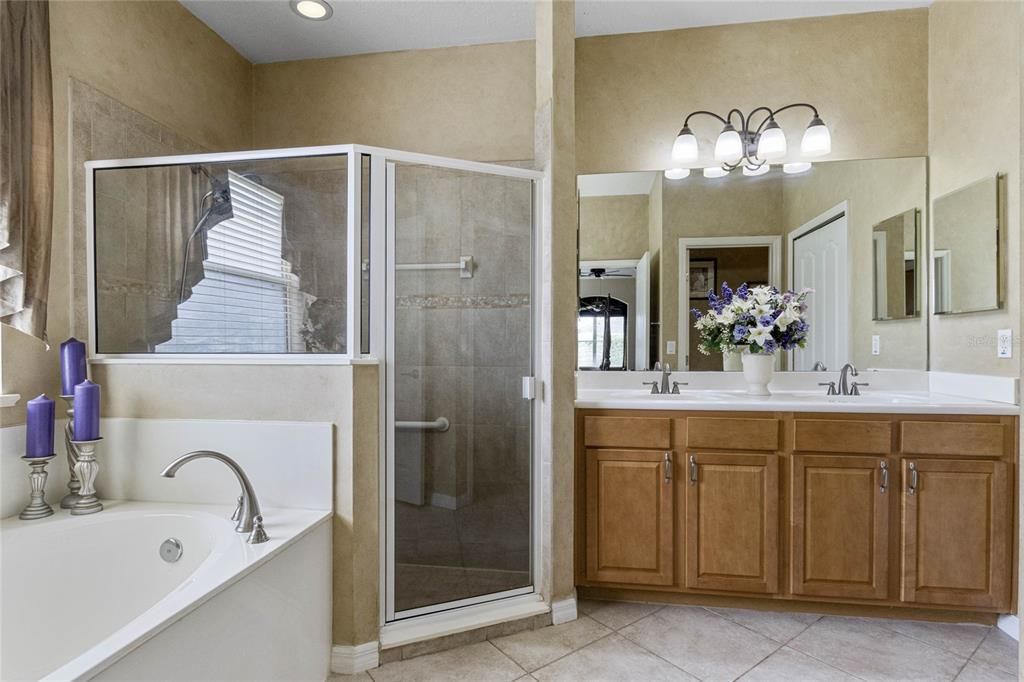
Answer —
(677, 173)
(796, 167)
(317, 10)
(715, 172)
(741, 144)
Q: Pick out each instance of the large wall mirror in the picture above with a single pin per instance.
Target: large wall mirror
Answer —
(652, 247)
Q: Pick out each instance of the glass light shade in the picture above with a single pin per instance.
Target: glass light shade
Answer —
(677, 173)
(817, 140)
(796, 167)
(760, 170)
(729, 147)
(685, 149)
(715, 172)
(771, 145)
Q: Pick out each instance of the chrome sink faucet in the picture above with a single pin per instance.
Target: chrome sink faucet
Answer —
(663, 387)
(845, 386)
(247, 513)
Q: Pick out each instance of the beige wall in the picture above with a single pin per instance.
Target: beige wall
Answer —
(974, 123)
(471, 102)
(614, 227)
(867, 74)
(146, 55)
(874, 191)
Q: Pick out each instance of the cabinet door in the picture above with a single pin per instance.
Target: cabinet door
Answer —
(840, 526)
(630, 513)
(732, 522)
(956, 540)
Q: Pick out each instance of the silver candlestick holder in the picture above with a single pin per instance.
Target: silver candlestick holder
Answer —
(74, 485)
(37, 507)
(87, 468)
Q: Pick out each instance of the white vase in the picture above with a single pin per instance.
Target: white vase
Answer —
(758, 369)
(731, 361)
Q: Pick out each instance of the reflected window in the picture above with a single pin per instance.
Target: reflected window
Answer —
(601, 333)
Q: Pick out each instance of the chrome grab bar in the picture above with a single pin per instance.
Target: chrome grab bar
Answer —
(439, 424)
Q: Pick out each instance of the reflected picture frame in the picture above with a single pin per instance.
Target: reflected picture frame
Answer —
(703, 277)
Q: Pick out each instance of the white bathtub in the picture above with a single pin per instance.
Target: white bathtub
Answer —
(91, 598)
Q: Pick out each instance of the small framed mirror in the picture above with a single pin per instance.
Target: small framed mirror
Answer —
(966, 249)
(895, 244)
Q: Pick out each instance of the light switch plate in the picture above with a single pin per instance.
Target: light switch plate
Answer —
(876, 345)
(1004, 343)
(670, 347)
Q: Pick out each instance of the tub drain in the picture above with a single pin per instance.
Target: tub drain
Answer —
(171, 550)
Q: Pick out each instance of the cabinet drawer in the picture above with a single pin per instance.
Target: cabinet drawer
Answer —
(627, 432)
(842, 435)
(732, 433)
(952, 438)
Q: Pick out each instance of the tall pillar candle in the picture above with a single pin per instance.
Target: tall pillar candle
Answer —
(72, 365)
(39, 421)
(87, 411)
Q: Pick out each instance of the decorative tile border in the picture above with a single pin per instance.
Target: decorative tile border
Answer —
(427, 301)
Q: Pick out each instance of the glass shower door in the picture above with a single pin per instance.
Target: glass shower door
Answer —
(459, 429)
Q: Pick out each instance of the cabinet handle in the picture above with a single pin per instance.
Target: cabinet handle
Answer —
(912, 488)
(693, 470)
(667, 464)
(884, 466)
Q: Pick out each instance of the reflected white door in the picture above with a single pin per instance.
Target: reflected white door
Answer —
(820, 263)
(643, 311)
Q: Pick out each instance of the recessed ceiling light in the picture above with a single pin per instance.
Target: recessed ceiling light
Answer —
(317, 10)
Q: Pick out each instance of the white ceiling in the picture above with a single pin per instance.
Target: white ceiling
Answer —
(616, 184)
(268, 31)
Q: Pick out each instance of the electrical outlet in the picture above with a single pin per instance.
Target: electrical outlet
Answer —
(1004, 343)
(670, 347)
(876, 345)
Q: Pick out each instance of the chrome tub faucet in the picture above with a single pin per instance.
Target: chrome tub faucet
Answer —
(247, 513)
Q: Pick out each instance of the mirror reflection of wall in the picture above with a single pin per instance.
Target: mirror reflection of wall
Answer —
(896, 267)
(966, 249)
(825, 218)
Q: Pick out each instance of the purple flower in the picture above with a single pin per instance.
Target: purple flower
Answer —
(743, 293)
(770, 346)
(766, 321)
(740, 332)
(697, 314)
(726, 293)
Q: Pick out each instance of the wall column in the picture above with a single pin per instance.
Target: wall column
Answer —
(555, 154)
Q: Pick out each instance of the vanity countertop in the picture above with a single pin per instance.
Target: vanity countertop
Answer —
(890, 402)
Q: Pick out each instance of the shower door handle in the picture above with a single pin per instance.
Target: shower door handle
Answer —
(529, 388)
(439, 424)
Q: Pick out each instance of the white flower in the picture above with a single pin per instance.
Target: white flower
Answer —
(760, 310)
(727, 316)
(789, 315)
(762, 294)
(742, 305)
(760, 335)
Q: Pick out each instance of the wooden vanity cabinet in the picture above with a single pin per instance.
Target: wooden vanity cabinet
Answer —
(732, 511)
(956, 542)
(851, 509)
(839, 539)
(630, 512)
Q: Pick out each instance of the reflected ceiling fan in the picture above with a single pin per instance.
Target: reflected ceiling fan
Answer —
(608, 273)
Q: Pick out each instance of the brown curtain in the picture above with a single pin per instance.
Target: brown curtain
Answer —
(26, 164)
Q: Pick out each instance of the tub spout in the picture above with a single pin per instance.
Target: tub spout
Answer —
(247, 513)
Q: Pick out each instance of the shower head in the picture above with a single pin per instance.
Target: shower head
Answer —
(220, 205)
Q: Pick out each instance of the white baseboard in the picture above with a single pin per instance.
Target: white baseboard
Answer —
(563, 610)
(1010, 625)
(349, 660)
(431, 626)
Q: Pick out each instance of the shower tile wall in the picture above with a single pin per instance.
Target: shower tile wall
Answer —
(462, 348)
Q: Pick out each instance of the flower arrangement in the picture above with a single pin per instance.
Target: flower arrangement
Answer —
(759, 320)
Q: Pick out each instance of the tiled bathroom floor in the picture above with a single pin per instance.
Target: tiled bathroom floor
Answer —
(651, 642)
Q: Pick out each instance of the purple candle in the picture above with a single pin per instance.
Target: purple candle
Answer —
(72, 365)
(87, 411)
(39, 427)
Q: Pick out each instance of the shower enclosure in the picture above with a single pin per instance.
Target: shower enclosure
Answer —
(329, 254)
